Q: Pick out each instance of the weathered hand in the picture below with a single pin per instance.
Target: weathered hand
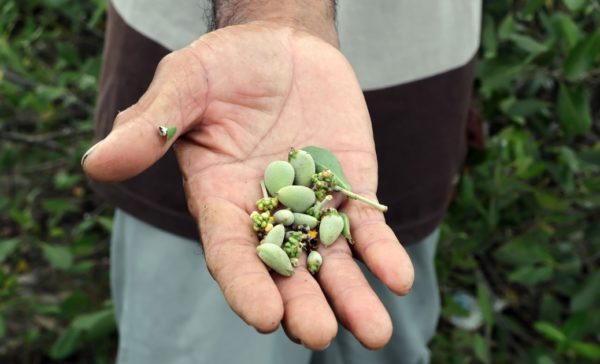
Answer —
(240, 97)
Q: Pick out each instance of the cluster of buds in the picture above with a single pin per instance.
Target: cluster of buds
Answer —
(267, 203)
(262, 222)
(323, 183)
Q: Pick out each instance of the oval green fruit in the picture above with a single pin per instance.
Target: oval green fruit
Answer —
(297, 198)
(304, 166)
(278, 174)
(275, 258)
(304, 219)
(275, 236)
(285, 217)
(330, 228)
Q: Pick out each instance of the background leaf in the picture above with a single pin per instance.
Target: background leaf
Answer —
(7, 247)
(58, 256)
(573, 110)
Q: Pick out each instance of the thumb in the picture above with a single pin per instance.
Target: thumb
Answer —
(174, 100)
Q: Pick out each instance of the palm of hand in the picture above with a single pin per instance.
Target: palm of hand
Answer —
(266, 90)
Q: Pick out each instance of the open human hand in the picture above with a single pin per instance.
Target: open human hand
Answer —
(240, 97)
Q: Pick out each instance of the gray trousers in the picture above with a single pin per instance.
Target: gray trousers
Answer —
(169, 310)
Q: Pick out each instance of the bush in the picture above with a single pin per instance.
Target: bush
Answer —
(524, 230)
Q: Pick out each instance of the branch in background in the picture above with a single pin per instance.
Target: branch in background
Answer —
(35, 140)
(30, 85)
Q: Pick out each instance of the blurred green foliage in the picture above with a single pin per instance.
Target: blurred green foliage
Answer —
(523, 231)
(54, 298)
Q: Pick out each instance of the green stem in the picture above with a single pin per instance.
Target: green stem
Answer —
(319, 205)
(264, 189)
(360, 198)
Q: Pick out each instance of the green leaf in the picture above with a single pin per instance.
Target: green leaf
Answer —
(507, 27)
(577, 325)
(573, 110)
(531, 6)
(484, 299)
(528, 44)
(550, 202)
(324, 159)
(591, 156)
(582, 57)
(58, 206)
(567, 28)
(7, 247)
(106, 223)
(574, 5)
(488, 37)
(550, 332)
(524, 108)
(589, 294)
(2, 327)
(96, 325)
(528, 248)
(481, 349)
(530, 275)
(589, 351)
(66, 344)
(58, 256)
(63, 181)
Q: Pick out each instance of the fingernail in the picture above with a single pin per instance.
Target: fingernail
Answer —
(87, 154)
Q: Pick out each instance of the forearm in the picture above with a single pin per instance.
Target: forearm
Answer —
(313, 16)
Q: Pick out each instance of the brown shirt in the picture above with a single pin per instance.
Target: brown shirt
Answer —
(419, 130)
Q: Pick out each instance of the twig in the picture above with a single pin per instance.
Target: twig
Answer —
(34, 140)
(358, 197)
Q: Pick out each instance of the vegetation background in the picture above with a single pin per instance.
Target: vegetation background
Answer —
(522, 238)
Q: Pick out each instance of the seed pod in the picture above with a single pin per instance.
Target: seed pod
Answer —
(298, 198)
(278, 174)
(303, 219)
(275, 258)
(330, 228)
(285, 217)
(346, 230)
(314, 261)
(275, 236)
(304, 166)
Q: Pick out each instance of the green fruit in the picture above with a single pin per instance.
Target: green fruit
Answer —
(278, 174)
(297, 198)
(304, 167)
(275, 236)
(330, 228)
(285, 217)
(275, 258)
(303, 219)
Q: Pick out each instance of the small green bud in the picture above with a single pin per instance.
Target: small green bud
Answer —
(314, 261)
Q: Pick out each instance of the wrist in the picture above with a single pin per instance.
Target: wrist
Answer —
(316, 17)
